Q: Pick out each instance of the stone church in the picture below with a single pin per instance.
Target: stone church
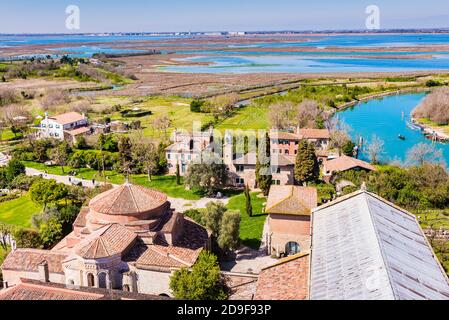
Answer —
(127, 238)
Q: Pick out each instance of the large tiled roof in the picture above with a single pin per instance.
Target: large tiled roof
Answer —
(127, 199)
(293, 200)
(30, 290)
(68, 118)
(365, 248)
(314, 134)
(282, 135)
(183, 253)
(285, 280)
(29, 259)
(344, 163)
(78, 131)
(108, 241)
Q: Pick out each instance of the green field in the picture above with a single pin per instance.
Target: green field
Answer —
(251, 228)
(18, 211)
(248, 117)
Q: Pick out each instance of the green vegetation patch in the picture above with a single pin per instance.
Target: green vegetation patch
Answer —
(19, 211)
(251, 228)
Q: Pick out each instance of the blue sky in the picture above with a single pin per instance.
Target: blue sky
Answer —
(46, 16)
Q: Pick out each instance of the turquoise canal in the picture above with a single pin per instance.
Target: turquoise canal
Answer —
(383, 117)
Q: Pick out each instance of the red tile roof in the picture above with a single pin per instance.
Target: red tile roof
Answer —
(29, 259)
(108, 241)
(30, 290)
(78, 131)
(293, 200)
(346, 163)
(285, 280)
(127, 199)
(67, 118)
(27, 291)
(314, 134)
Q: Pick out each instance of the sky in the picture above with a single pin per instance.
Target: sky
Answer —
(49, 16)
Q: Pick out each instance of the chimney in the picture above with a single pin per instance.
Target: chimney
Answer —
(43, 272)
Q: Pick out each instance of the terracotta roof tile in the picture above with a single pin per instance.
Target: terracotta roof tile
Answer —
(68, 118)
(127, 199)
(29, 259)
(346, 163)
(286, 280)
(78, 131)
(294, 200)
(108, 241)
(314, 134)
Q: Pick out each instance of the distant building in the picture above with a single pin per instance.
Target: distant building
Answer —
(366, 248)
(289, 209)
(187, 148)
(242, 168)
(286, 142)
(67, 126)
(344, 163)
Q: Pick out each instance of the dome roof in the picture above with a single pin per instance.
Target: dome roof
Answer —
(127, 199)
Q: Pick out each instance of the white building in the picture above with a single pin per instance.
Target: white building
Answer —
(64, 126)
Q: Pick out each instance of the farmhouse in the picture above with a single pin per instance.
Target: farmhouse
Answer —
(65, 126)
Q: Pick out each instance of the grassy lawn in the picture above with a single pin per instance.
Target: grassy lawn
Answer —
(251, 228)
(18, 211)
(248, 117)
(168, 185)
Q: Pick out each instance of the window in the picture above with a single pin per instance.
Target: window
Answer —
(126, 288)
(292, 248)
(296, 151)
(50, 126)
(240, 168)
(296, 142)
(58, 126)
(239, 181)
(286, 151)
(168, 156)
(43, 125)
(102, 279)
(276, 182)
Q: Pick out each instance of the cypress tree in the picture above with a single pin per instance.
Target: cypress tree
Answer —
(249, 206)
(178, 175)
(263, 171)
(306, 167)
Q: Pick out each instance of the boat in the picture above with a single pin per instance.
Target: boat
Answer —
(413, 126)
(401, 137)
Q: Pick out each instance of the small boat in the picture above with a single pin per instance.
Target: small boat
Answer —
(401, 137)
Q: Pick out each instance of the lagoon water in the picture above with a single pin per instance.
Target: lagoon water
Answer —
(383, 117)
(255, 61)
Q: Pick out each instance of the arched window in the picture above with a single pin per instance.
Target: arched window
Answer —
(90, 280)
(102, 280)
(292, 248)
(164, 295)
(71, 282)
(126, 288)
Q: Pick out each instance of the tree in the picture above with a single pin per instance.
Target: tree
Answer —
(348, 148)
(144, 153)
(206, 177)
(213, 216)
(434, 107)
(196, 105)
(50, 232)
(249, 206)
(5, 233)
(125, 155)
(203, 282)
(107, 143)
(14, 169)
(45, 192)
(264, 178)
(60, 154)
(229, 237)
(306, 166)
(424, 153)
(375, 149)
(178, 175)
